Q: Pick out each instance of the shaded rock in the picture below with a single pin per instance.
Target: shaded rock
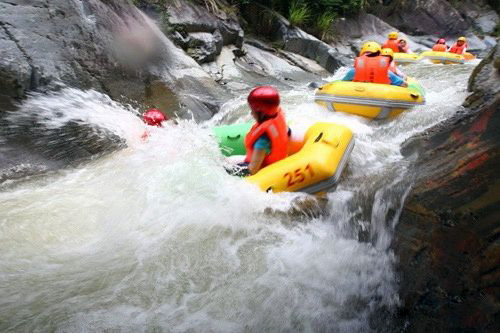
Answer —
(270, 24)
(447, 239)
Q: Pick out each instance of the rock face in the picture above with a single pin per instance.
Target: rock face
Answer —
(434, 19)
(447, 239)
(106, 45)
(363, 27)
(423, 17)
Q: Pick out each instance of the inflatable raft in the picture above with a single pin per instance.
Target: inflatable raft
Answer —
(371, 100)
(315, 162)
(443, 57)
(406, 58)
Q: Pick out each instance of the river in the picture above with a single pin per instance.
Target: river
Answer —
(155, 236)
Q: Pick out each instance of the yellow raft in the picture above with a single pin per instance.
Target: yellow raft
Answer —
(443, 57)
(314, 165)
(371, 100)
(406, 58)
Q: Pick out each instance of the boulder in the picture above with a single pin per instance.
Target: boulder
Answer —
(201, 31)
(447, 238)
(109, 46)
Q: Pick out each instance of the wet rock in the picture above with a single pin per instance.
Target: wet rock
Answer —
(447, 239)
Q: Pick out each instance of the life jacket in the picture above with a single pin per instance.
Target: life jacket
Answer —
(458, 49)
(372, 69)
(439, 48)
(277, 131)
(392, 44)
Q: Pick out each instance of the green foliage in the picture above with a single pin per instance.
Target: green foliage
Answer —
(299, 13)
(496, 32)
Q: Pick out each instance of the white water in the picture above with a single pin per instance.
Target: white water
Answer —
(157, 236)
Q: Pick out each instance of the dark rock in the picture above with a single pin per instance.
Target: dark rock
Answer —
(203, 46)
(447, 239)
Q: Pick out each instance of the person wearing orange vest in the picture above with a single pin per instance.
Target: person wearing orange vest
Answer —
(267, 140)
(371, 67)
(392, 67)
(459, 47)
(440, 45)
(392, 42)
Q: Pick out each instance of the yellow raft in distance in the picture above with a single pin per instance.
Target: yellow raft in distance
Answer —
(371, 100)
(315, 168)
(406, 58)
(443, 57)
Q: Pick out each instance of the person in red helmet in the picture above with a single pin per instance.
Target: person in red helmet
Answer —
(153, 117)
(440, 45)
(267, 140)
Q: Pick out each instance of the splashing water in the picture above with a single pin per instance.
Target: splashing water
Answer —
(157, 236)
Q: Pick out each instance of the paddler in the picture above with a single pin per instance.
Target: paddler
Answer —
(392, 42)
(371, 67)
(153, 117)
(440, 45)
(267, 140)
(403, 46)
(459, 47)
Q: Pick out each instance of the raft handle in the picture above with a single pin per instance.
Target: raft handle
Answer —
(233, 137)
(414, 95)
(319, 137)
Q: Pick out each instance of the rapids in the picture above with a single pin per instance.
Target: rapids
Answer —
(155, 236)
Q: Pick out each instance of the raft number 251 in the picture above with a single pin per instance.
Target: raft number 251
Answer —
(299, 175)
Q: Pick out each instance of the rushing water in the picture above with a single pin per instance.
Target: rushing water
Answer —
(157, 237)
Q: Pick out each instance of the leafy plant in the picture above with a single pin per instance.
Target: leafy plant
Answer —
(299, 13)
(324, 25)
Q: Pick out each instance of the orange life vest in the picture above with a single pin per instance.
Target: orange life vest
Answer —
(458, 49)
(372, 69)
(439, 48)
(392, 44)
(277, 131)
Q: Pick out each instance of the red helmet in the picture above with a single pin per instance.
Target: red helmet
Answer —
(154, 117)
(265, 100)
(441, 41)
